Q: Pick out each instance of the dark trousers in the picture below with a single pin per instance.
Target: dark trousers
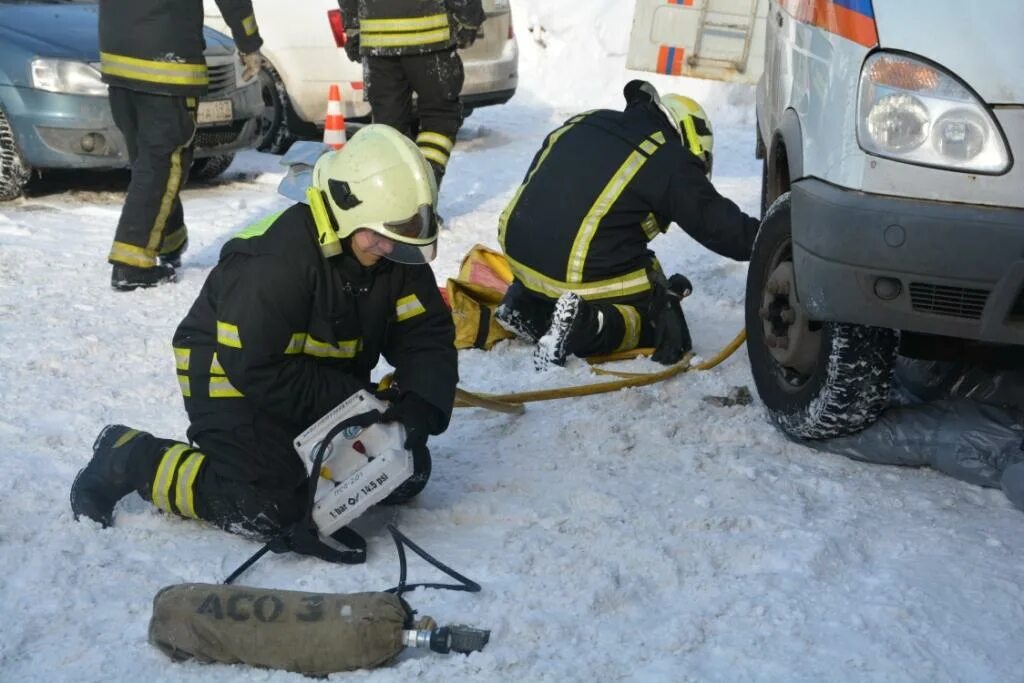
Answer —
(240, 473)
(626, 321)
(436, 79)
(158, 130)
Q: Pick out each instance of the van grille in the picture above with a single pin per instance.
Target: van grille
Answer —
(222, 79)
(957, 302)
(214, 136)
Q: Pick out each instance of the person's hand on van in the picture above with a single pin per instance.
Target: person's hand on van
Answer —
(352, 45)
(252, 62)
(465, 36)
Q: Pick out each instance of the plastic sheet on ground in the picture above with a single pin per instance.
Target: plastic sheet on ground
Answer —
(974, 432)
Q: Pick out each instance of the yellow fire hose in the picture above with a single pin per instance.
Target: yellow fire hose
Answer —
(513, 403)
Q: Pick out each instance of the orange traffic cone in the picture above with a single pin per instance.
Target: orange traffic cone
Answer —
(334, 124)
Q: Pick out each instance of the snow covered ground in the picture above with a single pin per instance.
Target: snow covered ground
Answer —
(643, 536)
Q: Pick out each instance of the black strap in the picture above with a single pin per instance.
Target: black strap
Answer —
(303, 536)
(484, 327)
(401, 540)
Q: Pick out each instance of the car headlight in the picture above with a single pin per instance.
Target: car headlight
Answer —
(912, 111)
(65, 76)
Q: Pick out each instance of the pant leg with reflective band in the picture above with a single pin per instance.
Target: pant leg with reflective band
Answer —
(625, 325)
(437, 79)
(161, 129)
(173, 488)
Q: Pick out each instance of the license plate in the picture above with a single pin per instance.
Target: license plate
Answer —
(214, 112)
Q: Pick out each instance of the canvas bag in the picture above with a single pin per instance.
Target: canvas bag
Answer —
(484, 276)
(309, 633)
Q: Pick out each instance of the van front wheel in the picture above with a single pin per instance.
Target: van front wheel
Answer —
(818, 380)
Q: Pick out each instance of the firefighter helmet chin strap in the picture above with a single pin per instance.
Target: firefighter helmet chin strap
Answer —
(326, 235)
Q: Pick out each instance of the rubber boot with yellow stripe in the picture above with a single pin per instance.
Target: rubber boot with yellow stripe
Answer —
(125, 460)
(115, 470)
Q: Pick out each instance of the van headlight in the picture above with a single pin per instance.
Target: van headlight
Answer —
(65, 76)
(912, 111)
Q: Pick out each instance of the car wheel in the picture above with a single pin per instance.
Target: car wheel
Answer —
(817, 380)
(209, 168)
(14, 173)
(275, 134)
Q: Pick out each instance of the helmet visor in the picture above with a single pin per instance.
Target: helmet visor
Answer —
(376, 243)
(419, 228)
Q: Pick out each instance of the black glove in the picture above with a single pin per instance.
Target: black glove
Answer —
(417, 416)
(352, 46)
(671, 333)
(465, 36)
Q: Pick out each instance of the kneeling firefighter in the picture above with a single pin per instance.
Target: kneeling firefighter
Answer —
(601, 187)
(289, 324)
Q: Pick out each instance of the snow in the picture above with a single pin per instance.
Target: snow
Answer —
(644, 535)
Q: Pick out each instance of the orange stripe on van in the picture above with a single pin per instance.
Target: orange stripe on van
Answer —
(834, 18)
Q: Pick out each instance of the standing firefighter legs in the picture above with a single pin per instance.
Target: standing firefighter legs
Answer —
(436, 79)
(158, 130)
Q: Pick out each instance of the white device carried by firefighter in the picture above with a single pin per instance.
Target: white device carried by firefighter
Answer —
(361, 465)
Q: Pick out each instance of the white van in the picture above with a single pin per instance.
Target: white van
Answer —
(894, 201)
(303, 56)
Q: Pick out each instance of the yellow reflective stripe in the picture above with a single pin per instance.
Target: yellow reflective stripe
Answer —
(548, 144)
(185, 385)
(215, 367)
(403, 24)
(441, 35)
(347, 348)
(659, 137)
(181, 357)
(227, 334)
(131, 255)
(625, 285)
(165, 474)
(436, 139)
(126, 437)
(408, 307)
(176, 73)
(648, 147)
(296, 343)
(249, 25)
(221, 387)
(631, 335)
(187, 473)
(173, 240)
(435, 155)
(651, 227)
(167, 200)
(597, 212)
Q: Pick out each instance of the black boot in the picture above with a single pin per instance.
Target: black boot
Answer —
(173, 258)
(523, 314)
(574, 326)
(107, 478)
(125, 278)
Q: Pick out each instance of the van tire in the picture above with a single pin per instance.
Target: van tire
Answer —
(14, 173)
(817, 380)
(276, 134)
(209, 168)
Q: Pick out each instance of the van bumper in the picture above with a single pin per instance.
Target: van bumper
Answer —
(921, 266)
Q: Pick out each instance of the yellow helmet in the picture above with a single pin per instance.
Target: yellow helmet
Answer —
(379, 181)
(694, 126)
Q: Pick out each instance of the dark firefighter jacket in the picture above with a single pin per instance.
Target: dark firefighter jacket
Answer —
(280, 331)
(409, 27)
(600, 188)
(157, 45)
